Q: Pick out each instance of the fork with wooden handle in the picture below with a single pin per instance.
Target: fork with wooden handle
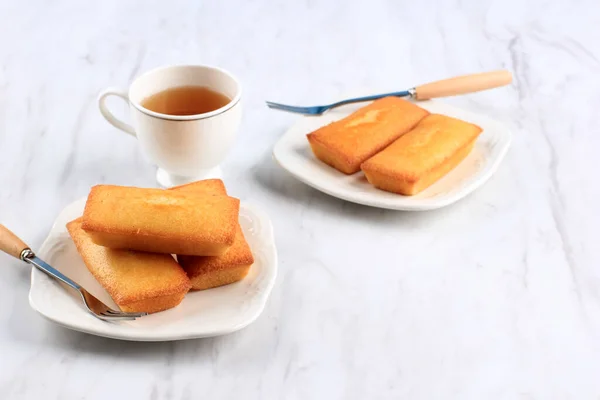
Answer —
(444, 88)
(12, 245)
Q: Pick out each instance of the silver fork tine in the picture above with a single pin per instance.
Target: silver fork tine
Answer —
(97, 307)
(114, 317)
(303, 110)
(118, 313)
(276, 105)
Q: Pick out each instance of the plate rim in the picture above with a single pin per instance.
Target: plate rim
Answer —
(427, 204)
(149, 335)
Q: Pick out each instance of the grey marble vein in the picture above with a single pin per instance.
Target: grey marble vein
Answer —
(80, 120)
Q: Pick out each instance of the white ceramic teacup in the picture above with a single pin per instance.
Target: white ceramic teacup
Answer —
(185, 147)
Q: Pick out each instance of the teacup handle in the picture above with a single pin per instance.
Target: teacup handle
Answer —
(114, 121)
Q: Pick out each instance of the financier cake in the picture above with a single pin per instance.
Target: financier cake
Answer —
(422, 156)
(208, 186)
(161, 221)
(208, 272)
(346, 143)
(136, 281)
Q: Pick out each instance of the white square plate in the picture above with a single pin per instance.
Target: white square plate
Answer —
(293, 153)
(203, 313)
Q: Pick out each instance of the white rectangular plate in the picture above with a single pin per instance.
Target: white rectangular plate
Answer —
(293, 153)
(201, 314)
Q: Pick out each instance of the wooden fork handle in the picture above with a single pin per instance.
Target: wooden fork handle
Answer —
(10, 243)
(463, 84)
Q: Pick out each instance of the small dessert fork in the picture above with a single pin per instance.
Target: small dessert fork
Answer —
(12, 245)
(447, 87)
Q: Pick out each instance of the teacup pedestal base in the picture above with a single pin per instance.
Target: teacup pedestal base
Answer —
(168, 180)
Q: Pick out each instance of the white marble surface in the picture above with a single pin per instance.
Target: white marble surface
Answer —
(496, 297)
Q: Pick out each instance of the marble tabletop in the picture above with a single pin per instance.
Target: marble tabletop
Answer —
(495, 297)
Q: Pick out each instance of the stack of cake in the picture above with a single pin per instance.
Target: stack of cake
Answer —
(127, 238)
(400, 147)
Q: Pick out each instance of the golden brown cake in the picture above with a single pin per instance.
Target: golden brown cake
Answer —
(422, 156)
(212, 186)
(346, 143)
(136, 281)
(161, 221)
(209, 272)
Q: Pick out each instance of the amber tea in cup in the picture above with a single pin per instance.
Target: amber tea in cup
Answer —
(185, 100)
(185, 118)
